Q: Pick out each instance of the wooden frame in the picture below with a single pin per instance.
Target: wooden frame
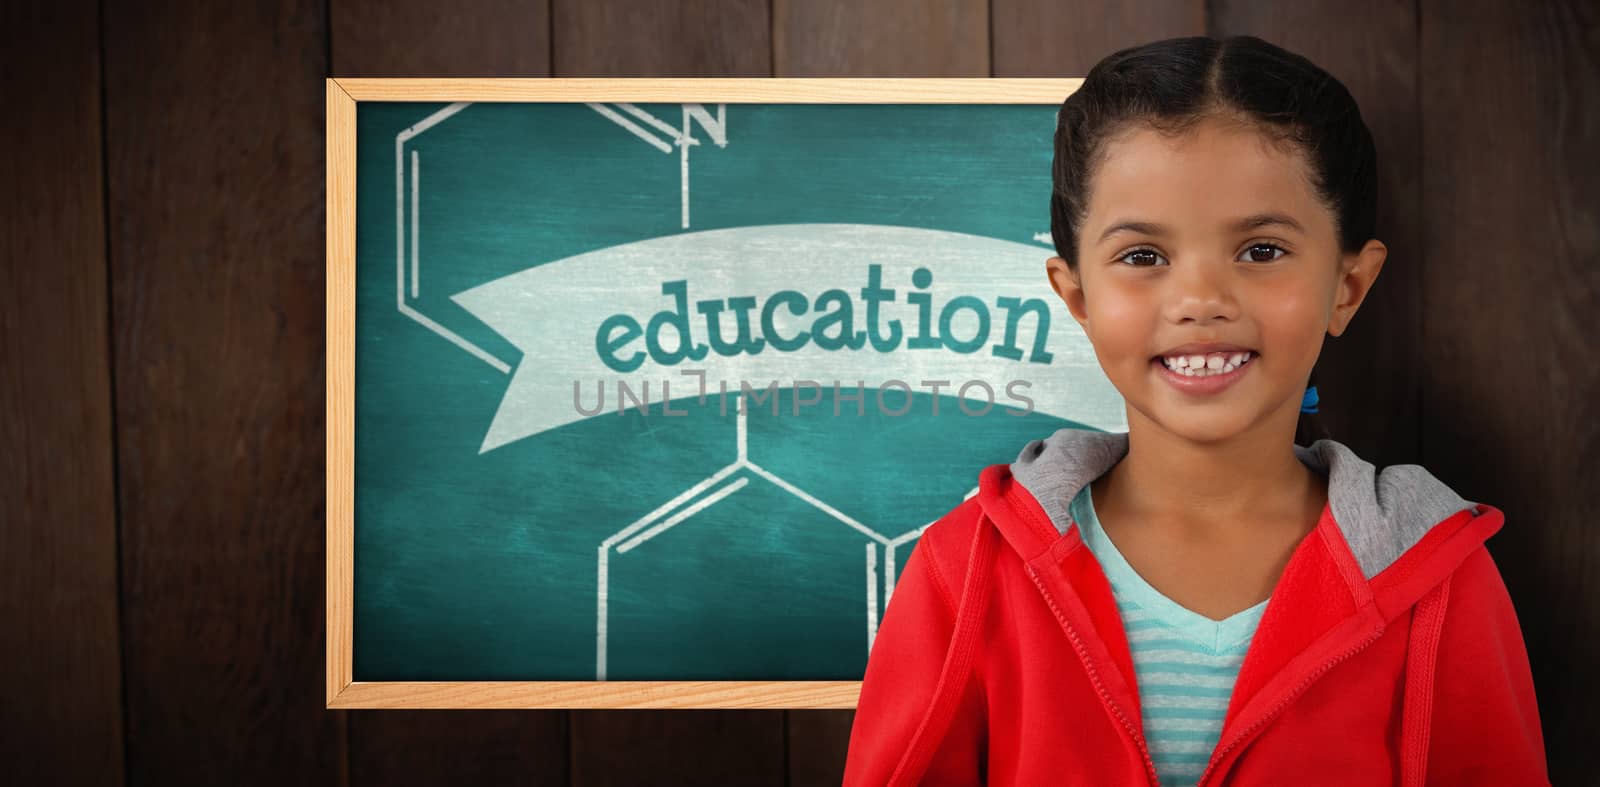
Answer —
(342, 95)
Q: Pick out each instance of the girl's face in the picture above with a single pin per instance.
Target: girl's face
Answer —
(1231, 246)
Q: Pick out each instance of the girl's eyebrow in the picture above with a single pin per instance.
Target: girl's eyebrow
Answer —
(1242, 225)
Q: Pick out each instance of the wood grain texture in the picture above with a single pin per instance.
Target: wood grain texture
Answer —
(732, 90)
(61, 719)
(340, 370)
(466, 747)
(1368, 377)
(1511, 229)
(702, 39)
(490, 38)
(672, 747)
(214, 129)
(889, 38)
(1045, 38)
(601, 694)
(694, 38)
(819, 741)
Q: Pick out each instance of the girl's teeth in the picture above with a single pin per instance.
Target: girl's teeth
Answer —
(1207, 365)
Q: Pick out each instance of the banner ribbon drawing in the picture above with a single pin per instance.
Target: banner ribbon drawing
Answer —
(852, 303)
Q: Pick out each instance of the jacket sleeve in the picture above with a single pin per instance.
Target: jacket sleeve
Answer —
(1486, 727)
(903, 668)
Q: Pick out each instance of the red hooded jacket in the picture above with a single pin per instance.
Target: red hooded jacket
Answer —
(1389, 652)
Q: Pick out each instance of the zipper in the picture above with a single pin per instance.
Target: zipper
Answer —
(1094, 677)
(1219, 754)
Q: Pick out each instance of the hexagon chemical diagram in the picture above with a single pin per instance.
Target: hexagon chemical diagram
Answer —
(695, 499)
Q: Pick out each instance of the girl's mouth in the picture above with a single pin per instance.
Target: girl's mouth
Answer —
(1213, 373)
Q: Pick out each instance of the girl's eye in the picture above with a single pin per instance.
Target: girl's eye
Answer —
(1149, 255)
(1270, 247)
(1144, 252)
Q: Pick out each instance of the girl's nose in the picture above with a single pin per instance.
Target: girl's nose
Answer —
(1202, 292)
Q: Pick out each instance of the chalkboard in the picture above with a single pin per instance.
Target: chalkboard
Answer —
(642, 391)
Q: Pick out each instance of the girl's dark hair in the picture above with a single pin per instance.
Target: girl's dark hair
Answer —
(1172, 85)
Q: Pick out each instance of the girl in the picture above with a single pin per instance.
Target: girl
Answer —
(1203, 599)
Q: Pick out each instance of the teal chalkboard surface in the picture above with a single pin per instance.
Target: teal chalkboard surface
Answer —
(667, 391)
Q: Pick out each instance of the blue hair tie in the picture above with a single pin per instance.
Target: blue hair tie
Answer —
(1308, 403)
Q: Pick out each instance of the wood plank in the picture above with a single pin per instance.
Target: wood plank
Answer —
(1046, 38)
(467, 747)
(62, 713)
(694, 38)
(407, 38)
(608, 38)
(339, 413)
(410, 38)
(214, 118)
(731, 90)
(1367, 378)
(890, 38)
(630, 747)
(818, 742)
(1511, 143)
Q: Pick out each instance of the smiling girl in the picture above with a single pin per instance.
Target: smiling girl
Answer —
(1204, 599)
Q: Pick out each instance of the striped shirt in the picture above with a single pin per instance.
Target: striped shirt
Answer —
(1185, 662)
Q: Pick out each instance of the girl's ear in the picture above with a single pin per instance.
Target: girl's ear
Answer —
(1357, 272)
(1066, 283)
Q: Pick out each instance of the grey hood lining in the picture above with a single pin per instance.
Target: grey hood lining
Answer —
(1381, 513)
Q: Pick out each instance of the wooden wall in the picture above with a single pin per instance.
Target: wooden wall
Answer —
(161, 357)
